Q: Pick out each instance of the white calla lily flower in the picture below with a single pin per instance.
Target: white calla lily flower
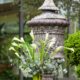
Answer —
(71, 49)
(52, 42)
(12, 48)
(14, 44)
(19, 40)
(16, 39)
(34, 46)
(46, 37)
(31, 34)
(65, 70)
(22, 39)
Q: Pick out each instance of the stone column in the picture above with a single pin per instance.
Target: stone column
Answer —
(51, 22)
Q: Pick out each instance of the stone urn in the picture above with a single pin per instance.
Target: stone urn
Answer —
(53, 23)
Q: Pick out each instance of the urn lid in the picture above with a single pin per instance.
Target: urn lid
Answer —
(48, 5)
(49, 16)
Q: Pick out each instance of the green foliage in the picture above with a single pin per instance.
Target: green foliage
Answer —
(77, 69)
(36, 57)
(74, 42)
(8, 75)
(31, 61)
(4, 45)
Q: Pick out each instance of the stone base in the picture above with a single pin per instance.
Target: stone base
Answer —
(47, 77)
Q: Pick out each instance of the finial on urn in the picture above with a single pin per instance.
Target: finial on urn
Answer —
(49, 5)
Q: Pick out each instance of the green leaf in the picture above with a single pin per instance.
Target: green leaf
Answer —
(42, 50)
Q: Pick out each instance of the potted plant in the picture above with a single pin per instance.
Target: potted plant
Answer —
(35, 59)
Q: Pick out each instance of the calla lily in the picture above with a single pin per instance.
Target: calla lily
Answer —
(52, 42)
(65, 70)
(59, 49)
(34, 46)
(12, 49)
(22, 39)
(56, 51)
(17, 54)
(71, 49)
(16, 39)
(14, 44)
(32, 35)
(34, 58)
(46, 37)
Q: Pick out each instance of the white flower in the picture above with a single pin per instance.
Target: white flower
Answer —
(17, 54)
(17, 39)
(71, 49)
(65, 70)
(14, 44)
(59, 48)
(32, 35)
(63, 60)
(52, 42)
(34, 46)
(23, 59)
(56, 51)
(46, 37)
(25, 71)
(12, 48)
(22, 39)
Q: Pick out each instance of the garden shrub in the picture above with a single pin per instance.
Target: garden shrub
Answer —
(77, 69)
(8, 75)
(73, 41)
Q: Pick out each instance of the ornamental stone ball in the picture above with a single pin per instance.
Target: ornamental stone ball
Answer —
(49, 21)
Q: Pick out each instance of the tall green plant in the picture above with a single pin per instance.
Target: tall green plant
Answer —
(35, 58)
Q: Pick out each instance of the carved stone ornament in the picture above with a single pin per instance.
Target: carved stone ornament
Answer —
(49, 21)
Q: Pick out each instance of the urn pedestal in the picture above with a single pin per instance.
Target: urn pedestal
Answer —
(47, 77)
(51, 22)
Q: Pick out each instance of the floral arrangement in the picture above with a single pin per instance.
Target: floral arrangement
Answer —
(35, 58)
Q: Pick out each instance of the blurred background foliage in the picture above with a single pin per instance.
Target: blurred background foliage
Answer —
(9, 24)
(73, 59)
